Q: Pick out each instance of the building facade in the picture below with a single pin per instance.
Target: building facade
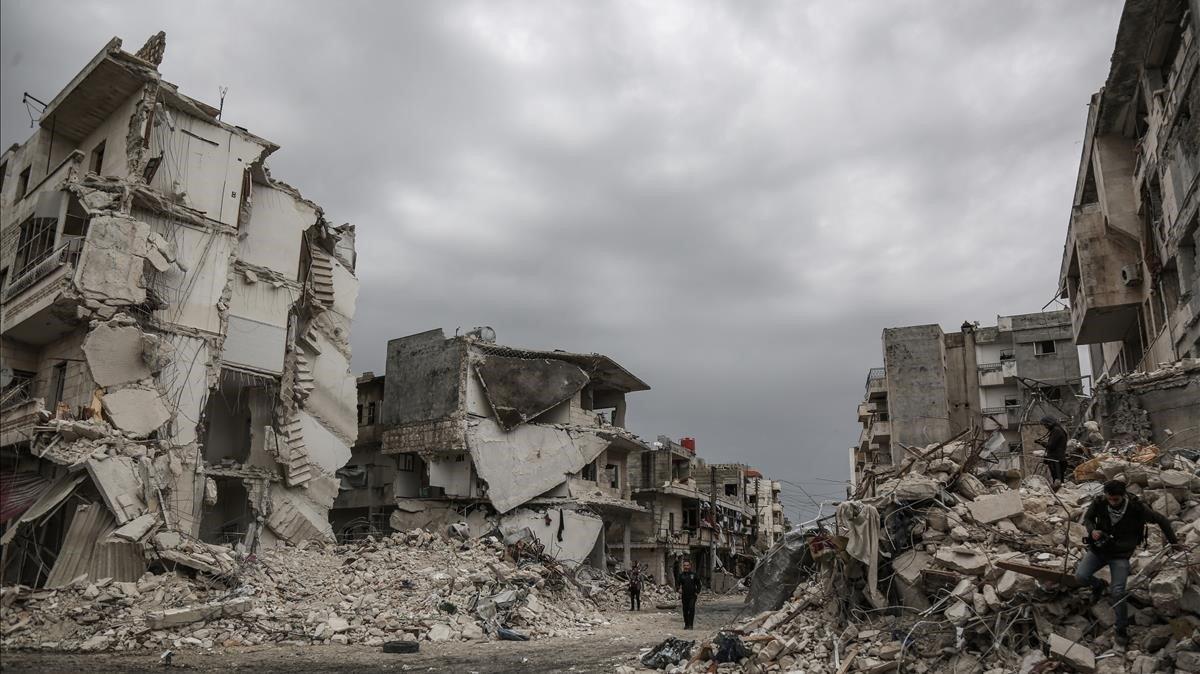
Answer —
(525, 441)
(696, 512)
(935, 385)
(1130, 269)
(175, 331)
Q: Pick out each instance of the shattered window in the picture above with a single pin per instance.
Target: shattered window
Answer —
(407, 463)
(35, 244)
(731, 489)
(97, 159)
(371, 413)
(589, 472)
(19, 389)
(23, 183)
(1043, 348)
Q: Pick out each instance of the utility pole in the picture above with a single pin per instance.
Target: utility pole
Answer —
(712, 542)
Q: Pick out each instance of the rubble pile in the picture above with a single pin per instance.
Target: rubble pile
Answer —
(947, 571)
(407, 586)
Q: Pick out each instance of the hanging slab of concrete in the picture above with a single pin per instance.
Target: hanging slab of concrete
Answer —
(116, 478)
(114, 355)
(519, 389)
(529, 460)
(139, 411)
(293, 518)
(579, 531)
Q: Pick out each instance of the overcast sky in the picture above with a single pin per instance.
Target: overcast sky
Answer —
(730, 199)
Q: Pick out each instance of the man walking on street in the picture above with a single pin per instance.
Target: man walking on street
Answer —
(635, 588)
(688, 584)
(1055, 442)
(1116, 524)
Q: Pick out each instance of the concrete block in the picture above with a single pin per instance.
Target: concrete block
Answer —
(181, 616)
(995, 507)
(139, 411)
(962, 560)
(1073, 653)
(114, 355)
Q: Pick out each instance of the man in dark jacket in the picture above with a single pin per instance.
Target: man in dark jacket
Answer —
(1055, 442)
(688, 584)
(1116, 523)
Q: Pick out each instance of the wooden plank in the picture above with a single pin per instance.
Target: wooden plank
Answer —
(848, 661)
(1040, 572)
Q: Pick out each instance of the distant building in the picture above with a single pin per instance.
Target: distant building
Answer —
(935, 385)
(528, 442)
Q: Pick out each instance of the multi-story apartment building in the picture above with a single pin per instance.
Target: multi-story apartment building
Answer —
(174, 320)
(530, 441)
(765, 498)
(935, 385)
(1130, 268)
(686, 519)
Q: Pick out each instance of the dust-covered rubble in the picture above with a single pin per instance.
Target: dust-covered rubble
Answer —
(407, 586)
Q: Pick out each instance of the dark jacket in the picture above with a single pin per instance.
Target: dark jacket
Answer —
(1056, 443)
(635, 580)
(688, 583)
(1129, 531)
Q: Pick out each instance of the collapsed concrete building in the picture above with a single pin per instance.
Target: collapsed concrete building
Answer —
(1130, 268)
(175, 336)
(1131, 264)
(702, 513)
(935, 385)
(530, 442)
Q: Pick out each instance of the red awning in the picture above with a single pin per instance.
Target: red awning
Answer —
(18, 491)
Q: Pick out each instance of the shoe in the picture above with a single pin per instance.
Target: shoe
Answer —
(1122, 637)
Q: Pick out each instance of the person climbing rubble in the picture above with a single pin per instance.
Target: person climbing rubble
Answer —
(1055, 442)
(1116, 523)
(635, 587)
(688, 584)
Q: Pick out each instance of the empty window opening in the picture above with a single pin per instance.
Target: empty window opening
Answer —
(671, 522)
(589, 472)
(23, 182)
(731, 489)
(96, 162)
(1044, 348)
(407, 463)
(58, 384)
(647, 469)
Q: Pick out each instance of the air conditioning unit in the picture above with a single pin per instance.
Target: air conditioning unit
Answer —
(1131, 274)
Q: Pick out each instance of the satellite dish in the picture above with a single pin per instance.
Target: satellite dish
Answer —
(6, 376)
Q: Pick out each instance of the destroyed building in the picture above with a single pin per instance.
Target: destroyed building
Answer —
(175, 336)
(687, 519)
(531, 442)
(934, 385)
(1130, 269)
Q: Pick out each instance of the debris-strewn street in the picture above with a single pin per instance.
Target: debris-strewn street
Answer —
(619, 640)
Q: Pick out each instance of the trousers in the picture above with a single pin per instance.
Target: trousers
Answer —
(635, 599)
(1119, 568)
(689, 611)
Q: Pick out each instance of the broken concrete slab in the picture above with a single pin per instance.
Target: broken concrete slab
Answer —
(294, 518)
(909, 565)
(962, 560)
(114, 354)
(529, 460)
(139, 411)
(579, 531)
(520, 389)
(181, 616)
(1073, 653)
(137, 528)
(995, 507)
(116, 478)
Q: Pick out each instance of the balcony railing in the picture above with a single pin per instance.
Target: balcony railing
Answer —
(66, 254)
(876, 374)
(991, 367)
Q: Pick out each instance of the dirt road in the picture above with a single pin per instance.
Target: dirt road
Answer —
(619, 642)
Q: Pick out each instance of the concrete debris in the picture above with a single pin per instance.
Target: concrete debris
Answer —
(136, 410)
(408, 586)
(981, 585)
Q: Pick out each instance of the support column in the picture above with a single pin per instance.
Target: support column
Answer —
(626, 539)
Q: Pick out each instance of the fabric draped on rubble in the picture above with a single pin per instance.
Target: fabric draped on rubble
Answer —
(861, 523)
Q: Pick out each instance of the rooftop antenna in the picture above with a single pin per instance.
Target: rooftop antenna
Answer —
(221, 108)
(29, 100)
